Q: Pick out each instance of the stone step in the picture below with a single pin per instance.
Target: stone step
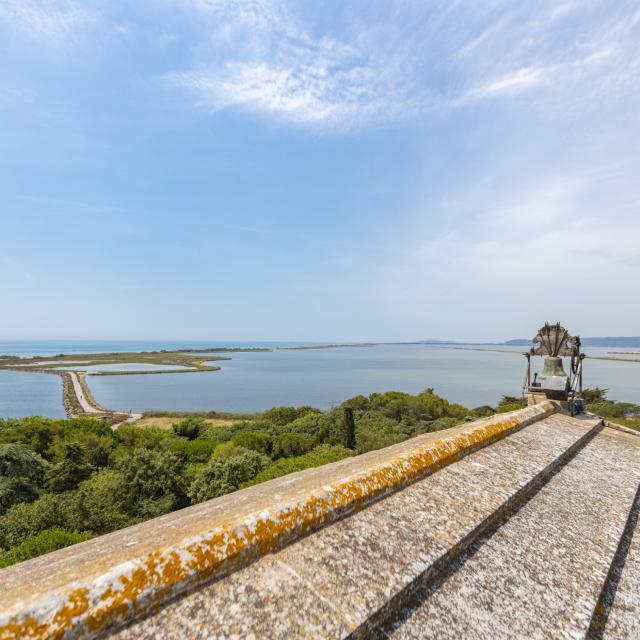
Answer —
(540, 573)
(348, 577)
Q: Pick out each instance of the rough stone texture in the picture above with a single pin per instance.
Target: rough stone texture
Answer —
(540, 574)
(230, 608)
(89, 588)
(355, 566)
(624, 617)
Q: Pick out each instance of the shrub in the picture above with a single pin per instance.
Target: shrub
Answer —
(375, 430)
(292, 444)
(189, 428)
(320, 455)
(610, 409)
(194, 450)
(284, 415)
(223, 476)
(321, 428)
(440, 424)
(508, 406)
(142, 438)
(43, 542)
(255, 441)
(484, 411)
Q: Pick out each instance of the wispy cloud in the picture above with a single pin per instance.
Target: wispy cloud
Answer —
(512, 82)
(48, 19)
(264, 57)
(279, 68)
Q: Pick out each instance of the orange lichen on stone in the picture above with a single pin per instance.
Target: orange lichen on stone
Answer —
(139, 586)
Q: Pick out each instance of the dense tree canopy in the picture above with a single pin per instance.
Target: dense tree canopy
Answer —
(64, 480)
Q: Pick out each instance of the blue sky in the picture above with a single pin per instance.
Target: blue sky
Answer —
(228, 169)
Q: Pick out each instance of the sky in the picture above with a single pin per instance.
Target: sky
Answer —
(320, 171)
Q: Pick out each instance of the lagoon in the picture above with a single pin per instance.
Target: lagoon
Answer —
(322, 378)
(254, 381)
(27, 394)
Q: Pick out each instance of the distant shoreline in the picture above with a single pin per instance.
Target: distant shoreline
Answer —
(613, 359)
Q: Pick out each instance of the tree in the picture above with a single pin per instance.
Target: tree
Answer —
(512, 400)
(99, 504)
(224, 476)
(25, 520)
(21, 473)
(72, 469)
(97, 449)
(154, 482)
(594, 395)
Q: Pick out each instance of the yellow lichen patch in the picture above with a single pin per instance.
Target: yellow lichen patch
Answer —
(29, 628)
(77, 604)
(137, 590)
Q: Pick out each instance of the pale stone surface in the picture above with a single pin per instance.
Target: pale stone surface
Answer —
(624, 617)
(540, 574)
(356, 565)
(230, 608)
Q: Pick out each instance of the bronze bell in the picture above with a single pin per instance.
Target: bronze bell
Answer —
(552, 367)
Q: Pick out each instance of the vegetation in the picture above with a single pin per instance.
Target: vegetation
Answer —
(624, 413)
(63, 481)
(192, 360)
(44, 542)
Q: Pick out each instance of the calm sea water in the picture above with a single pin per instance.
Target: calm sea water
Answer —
(256, 381)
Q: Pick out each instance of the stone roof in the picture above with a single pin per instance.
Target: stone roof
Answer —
(520, 525)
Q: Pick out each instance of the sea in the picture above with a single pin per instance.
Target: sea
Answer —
(472, 375)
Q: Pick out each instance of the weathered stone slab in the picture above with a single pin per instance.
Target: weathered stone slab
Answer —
(541, 573)
(357, 565)
(623, 620)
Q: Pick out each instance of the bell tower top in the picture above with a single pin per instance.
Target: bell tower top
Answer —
(554, 342)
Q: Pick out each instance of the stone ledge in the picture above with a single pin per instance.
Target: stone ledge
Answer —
(86, 589)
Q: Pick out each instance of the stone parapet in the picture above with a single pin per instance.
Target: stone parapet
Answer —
(89, 588)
